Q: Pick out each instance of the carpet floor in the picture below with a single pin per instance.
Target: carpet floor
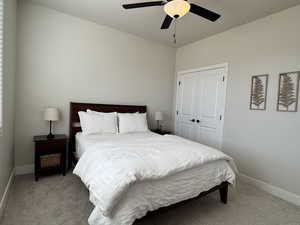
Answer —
(58, 200)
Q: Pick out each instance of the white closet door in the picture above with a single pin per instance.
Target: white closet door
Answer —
(208, 107)
(200, 106)
(186, 107)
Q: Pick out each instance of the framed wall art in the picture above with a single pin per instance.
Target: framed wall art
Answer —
(288, 91)
(259, 87)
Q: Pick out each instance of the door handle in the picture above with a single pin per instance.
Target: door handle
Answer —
(193, 120)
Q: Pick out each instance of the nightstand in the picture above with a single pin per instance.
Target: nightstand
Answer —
(161, 132)
(50, 155)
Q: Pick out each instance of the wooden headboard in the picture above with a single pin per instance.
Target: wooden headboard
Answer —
(74, 125)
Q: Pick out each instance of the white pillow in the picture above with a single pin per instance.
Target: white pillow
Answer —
(132, 122)
(108, 116)
(102, 113)
(93, 123)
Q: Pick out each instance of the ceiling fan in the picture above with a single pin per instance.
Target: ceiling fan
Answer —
(176, 9)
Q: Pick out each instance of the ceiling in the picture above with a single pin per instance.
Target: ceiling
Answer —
(146, 22)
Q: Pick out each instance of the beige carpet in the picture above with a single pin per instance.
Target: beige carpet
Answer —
(58, 200)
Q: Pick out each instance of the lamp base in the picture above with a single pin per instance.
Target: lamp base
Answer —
(50, 136)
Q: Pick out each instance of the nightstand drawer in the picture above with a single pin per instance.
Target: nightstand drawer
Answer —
(51, 147)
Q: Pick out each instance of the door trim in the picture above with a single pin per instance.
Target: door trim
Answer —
(212, 67)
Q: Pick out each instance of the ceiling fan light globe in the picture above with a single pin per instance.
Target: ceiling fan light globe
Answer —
(177, 8)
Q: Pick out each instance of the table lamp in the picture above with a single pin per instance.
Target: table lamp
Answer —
(51, 114)
(159, 117)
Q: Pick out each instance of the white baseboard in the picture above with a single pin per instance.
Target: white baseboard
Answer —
(5, 194)
(276, 191)
(26, 169)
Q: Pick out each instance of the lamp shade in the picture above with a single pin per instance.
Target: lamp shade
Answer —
(51, 114)
(177, 8)
(159, 116)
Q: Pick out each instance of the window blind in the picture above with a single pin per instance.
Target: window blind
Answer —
(1, 61)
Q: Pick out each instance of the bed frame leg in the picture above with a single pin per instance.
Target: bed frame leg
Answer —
(223, 193)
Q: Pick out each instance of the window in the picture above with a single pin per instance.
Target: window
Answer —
(1, 62)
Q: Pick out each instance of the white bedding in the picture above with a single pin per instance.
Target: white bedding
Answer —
(152, 170)
(84, 142)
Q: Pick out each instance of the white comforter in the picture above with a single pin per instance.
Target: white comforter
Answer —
(108, 169)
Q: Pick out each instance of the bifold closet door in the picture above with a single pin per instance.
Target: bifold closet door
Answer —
(200, 103)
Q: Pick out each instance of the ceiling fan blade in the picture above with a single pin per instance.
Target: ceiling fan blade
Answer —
(167, 22)
(205, 13)
(142, 4)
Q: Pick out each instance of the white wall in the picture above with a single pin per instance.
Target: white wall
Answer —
(63, 58)
(6, 141)
(265, 144)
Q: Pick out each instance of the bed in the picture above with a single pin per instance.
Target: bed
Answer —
(141, 195)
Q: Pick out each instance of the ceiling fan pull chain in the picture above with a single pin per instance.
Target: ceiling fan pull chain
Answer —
(174, 36)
